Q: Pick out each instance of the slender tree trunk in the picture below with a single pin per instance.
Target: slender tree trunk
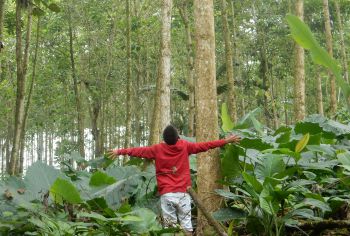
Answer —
(333, 104)
(299, 71)
(128, 77)
(206, 107)
(78, 102)
(161, 110)
(231, 96)
(22, 62)
(29, 97)
(2, 10)
(51, 149)
(342, 43)
(190, 67)
(319, 98)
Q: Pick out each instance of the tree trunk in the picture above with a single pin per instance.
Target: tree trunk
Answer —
(128, 77)
(2, 10)
(342, 43)
(161, 111)
(319, 98)
(299, 71)
(333, 99)
(29, 97)
(78, 102)
(206, 107)
(22, 63)
(190, 67)
(231, 96)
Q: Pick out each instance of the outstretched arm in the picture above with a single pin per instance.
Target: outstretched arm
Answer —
(194, 148)
(143, 152)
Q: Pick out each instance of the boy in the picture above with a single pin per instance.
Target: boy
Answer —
(173, 172)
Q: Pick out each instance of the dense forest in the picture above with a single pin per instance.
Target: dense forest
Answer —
(78, 78)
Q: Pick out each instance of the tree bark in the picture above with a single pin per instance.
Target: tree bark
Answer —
(2, 10)
(342, 43)
(231, 96)
(208, 163)
(78, 102)
(128, 77)
(319, 96)
(183, 9)
(22, 63)
(161, 110)
(299, 71)
(333, 95)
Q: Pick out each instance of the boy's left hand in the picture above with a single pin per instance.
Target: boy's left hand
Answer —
(111, 155)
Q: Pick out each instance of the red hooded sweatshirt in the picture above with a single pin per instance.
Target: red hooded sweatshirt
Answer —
(172, 162)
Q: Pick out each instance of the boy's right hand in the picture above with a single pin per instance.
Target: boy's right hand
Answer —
(232, 139)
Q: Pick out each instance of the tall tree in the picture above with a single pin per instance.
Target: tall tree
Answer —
(77, 96)
(183, 9)
(299, 71)
(161, 110)
(319, 95)
(342, 43)
(29, 96)
(128, 77)
(206, 107)
(328, 32)
(22, 64)
(231, 96)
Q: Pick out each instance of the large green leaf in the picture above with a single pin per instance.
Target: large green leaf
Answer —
(64, 190)
(230, 163)
(252, 181)
(255, 143)
(227, 123)
(229, 213)
(39, 178)
(344, 159)
(99, 178)
(271, 164)
(149, 221)
(314, 203)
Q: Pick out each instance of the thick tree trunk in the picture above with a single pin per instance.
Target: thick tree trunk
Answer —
(333, 95)
(161, 110)
(231, 96)
(299, 71)
(96, 131)
(206, 107)
(319, 98)
(190, 67)
(342, 43)
(40, 143)
(78, 102)
(128, 77)
(22, 62)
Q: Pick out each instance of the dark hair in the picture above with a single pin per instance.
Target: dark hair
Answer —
(170, 135)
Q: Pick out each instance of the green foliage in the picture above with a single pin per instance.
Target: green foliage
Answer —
(303, 36)
(63, 190)
(99, 179)
(227, 124)
(287, 176)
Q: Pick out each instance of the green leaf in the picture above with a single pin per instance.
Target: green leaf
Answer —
(252, 181)
(54, 7)
(38, 12)
(315, 203)
(254, 143)
(299, 182)
(64, 190)
(226, 214)
(271, 165)
(230, 163)
(300, 32)
(227, 124)
(99, 179)
(39, 178)
(302, 143)
(92, 215)
(344, 158)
